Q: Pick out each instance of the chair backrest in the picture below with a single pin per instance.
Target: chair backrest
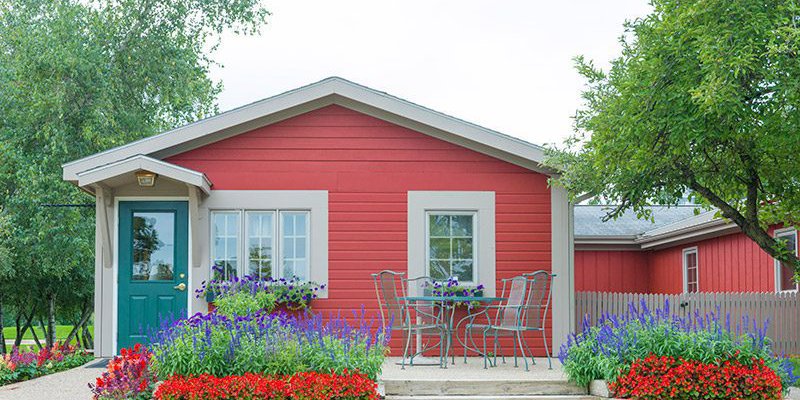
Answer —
(425, 310)
(514, 292)
(540, 293)
(388, 289)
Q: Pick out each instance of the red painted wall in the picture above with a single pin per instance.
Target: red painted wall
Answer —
(730, 263)
(611, 271)
(368, 166)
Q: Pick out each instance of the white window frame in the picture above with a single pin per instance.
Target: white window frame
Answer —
(315, 201)
(777, 234)
(684, 254)
(482, 203)
(475, 240)
(243, 264)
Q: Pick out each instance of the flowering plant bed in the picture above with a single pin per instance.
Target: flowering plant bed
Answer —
(127, 376)
(291, 293)
(23, 365)
(300, 386)
(608, 349)
(675, 378)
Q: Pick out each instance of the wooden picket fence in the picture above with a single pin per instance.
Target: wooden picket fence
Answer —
(781, 310)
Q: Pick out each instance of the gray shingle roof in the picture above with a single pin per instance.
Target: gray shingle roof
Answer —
(588, 220)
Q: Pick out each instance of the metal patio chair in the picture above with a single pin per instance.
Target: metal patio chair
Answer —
(540, 294)
(506, 314)
(411, 318)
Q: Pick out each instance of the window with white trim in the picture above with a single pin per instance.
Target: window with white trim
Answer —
(451, 245)
(784, 276)
(690, 271)
(262, 254)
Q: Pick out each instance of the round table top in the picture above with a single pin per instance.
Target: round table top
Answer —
(480, 299)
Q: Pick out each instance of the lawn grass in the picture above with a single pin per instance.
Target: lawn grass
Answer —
(61, 333)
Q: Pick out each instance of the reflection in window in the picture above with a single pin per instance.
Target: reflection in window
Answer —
(451, 246)
(153, 246)
(225, 233)
(785, 275)
(260, 229)
(294, 242)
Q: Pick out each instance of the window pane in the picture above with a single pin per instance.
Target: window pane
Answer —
(439, 225)
(439, 270)
(785, 273)
(440, 248)
(463, 270)
(462, 249)
(225, 234)
(260, 228)
(295, 243)
(153, 246)
(462, 225)
(451, 246)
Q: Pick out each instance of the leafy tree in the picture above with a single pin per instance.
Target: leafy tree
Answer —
(78, 77)
(704, 99)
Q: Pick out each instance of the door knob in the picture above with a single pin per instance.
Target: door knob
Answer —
(181, 287)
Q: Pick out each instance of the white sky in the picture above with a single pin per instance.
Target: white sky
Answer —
(505, 65)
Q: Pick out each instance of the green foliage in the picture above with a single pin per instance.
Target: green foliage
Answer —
(76, 78)
(242, 303)
(275, 344)
(702, 101)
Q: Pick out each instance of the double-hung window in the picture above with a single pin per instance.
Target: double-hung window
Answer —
(784, 275)
(269, 244)
(690, 271)
(451, 241)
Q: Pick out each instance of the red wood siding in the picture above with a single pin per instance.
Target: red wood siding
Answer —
(730, 263)
(611, 271)
(368, 166)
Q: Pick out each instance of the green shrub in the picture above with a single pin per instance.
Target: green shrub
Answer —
(607, 350)
(276, 344)
(243, 303)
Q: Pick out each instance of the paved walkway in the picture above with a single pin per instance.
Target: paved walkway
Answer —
(66, 385)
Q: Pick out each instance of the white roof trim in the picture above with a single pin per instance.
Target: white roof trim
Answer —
(139, 163)
(332, 90)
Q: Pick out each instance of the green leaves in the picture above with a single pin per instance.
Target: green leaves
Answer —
(703, 102)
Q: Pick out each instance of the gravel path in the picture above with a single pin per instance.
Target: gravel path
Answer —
(66, 385)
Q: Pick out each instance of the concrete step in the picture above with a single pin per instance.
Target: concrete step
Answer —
(542, 397)
(481, 387)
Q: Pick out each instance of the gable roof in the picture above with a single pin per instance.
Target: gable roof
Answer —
(329, 91)
(144, 163)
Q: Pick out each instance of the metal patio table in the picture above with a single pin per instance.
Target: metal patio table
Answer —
(449, 302)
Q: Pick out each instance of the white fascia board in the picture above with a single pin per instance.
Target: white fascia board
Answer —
(140, 162)
(711, 229)
(326, 92)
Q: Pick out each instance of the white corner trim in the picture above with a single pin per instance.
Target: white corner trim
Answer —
(483, 203)
(285, 200)
(563, 317)
(141, 162)
(777, 264)
(332, 90)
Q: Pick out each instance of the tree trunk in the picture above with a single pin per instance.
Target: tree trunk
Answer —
(51, 319)
(36, 338)
(2, 336)
(86, 313)
(25, 327)
(88, 340)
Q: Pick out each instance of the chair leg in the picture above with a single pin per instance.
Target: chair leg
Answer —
(495, 349)
(466, 340)
(522, 350)
(530, 352)
(515, 354)
(485, 356)
(547, 350)
(405, 350)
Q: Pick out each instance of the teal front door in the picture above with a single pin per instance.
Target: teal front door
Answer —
(153, 267)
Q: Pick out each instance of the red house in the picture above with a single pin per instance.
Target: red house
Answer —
(679, 252)
(332, 182)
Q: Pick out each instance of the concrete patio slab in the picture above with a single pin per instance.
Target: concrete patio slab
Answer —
(65, 385)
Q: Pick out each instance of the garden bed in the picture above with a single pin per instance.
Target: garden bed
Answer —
(21, 365)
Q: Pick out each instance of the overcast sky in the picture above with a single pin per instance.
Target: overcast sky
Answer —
(506, 65)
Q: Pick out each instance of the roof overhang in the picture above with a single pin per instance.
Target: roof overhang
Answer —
(97, 175)
(308, 98)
